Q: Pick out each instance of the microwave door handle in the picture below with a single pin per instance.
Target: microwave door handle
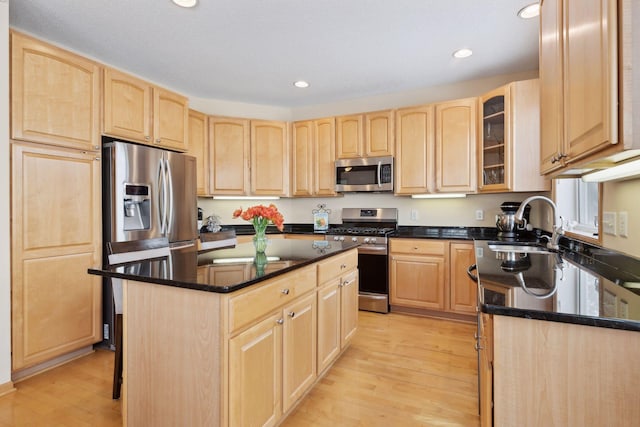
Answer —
(379, 174)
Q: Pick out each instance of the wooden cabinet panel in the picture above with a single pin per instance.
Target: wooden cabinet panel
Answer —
(55, 95)
(56, 237)
(418, 281)
(127, 107)
(325, 157)
(199, 148)
(485, 368)
(328, 323)
(379, 133)
(229, 144)
(313, 163)
(170, 119)
(463, 291)
(348, 307)
(303, 159)
(255, 374)
(269, 158)
(337, 265)
(456, 145)
(414, 168)
(419, 246)
(299, 349)
(349, 136)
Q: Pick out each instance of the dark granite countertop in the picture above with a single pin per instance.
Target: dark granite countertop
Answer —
(186, 268)
(450, 233)
(565, 286)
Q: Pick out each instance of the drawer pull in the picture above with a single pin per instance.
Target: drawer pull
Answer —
(280, 321)
(285, 291)
(343, 266)
(477, 346)
(292, 314)
(345, 283)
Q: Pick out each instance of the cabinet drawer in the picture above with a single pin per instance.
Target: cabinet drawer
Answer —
(255, 303)
(418, 246)
(337, 265)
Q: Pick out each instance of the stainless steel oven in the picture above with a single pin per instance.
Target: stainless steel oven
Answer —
(370, 228)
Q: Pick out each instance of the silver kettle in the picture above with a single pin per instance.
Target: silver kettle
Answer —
(506, 223)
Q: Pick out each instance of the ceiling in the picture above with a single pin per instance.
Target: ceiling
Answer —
(253, 50)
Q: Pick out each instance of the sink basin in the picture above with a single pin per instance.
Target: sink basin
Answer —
(522, 248)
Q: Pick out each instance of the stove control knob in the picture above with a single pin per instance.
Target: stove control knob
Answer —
(373, 240)
(336, 238)
(341, 238)
(367, 240)
(354, 239)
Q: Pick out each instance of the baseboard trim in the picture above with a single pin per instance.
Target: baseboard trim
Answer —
(7, 388)
(25, 373)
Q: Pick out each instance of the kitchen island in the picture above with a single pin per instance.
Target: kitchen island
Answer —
(228, 338)
(558, 336)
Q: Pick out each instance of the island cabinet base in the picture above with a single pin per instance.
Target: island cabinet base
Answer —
(198, 358)
(560, 374)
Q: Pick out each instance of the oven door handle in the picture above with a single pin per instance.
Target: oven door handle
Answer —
(373, 250)
(472, 276)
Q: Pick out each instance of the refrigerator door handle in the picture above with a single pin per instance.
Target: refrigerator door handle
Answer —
(169, 187)
(162, 197)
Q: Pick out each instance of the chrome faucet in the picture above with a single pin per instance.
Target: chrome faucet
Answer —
(557, 219)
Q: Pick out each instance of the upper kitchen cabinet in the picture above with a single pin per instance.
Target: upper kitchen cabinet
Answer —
(414, 168)
(509, 146)
(455, 150)
(579, 81)
(229, 151)
(137, 111)
(199, 148)
(55, 95)
(313, 157)
(269, 158)
(365, 135)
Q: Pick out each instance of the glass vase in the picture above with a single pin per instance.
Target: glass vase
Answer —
(260, 262)
(260, 242)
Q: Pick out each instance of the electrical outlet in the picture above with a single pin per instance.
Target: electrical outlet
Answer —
(623, 224)
(414, 214)
(479, 215)
(609, 223)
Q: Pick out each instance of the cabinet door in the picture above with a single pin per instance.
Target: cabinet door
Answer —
(379, 134)
(485, 368)
(269, 158)
(328, 323)
(127, 107)
(589, 72)
(551, 109)
(199, 148)
(229, 156)
(456, 146)
(348, 307)
(55, 95)
(325, 157)
(170, 119)
(494, 160)
(417, 281)
(463, 290)
(349, 136)
(299, 349)
(302, 161)
(255, 374)
(414, 168)
(56, 237)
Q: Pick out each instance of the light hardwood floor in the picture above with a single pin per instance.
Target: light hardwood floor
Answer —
(399, 371)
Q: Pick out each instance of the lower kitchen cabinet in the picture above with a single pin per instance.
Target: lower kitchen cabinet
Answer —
(428, 274)
(55, 238)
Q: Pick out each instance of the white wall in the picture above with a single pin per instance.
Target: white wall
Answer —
(623, 197)
(5, 265)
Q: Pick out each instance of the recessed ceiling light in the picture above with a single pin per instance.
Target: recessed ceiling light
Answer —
(185, 3)
(462, 53)
(301, 84)
(530, 11)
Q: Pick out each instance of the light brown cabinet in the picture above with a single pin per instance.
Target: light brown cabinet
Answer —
(138, 111)
(269, 158)
(508, 150)
(578, 77)
(365, 135)
(414, 161)
(456, 140)
(56, 237)
(199, 148)
(428, 274)
(55, 95)
(313, 157)
(229, 151)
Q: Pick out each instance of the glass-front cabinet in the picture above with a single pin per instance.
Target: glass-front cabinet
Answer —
(494, 140)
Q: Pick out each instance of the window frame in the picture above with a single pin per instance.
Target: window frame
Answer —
(576, 235)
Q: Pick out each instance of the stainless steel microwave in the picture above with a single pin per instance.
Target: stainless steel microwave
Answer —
(372, 174)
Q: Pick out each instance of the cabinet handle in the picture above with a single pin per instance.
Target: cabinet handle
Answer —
(292, 314)
(285, 291)
(147, 138)
(158, 140)
(96, 147)
(343, 266)
(476, 336)
(280, 321)
(97, 159)
(347, 283)
(477, 346)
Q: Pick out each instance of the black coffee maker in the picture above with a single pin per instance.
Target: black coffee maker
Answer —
(506, 224)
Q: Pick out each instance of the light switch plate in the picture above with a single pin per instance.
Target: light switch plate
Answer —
(623, 224)
(609, 223)
(479, 215)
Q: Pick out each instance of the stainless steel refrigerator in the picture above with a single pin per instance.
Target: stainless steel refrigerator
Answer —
(147, 192)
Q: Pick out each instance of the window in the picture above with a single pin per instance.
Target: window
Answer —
(579, 206)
